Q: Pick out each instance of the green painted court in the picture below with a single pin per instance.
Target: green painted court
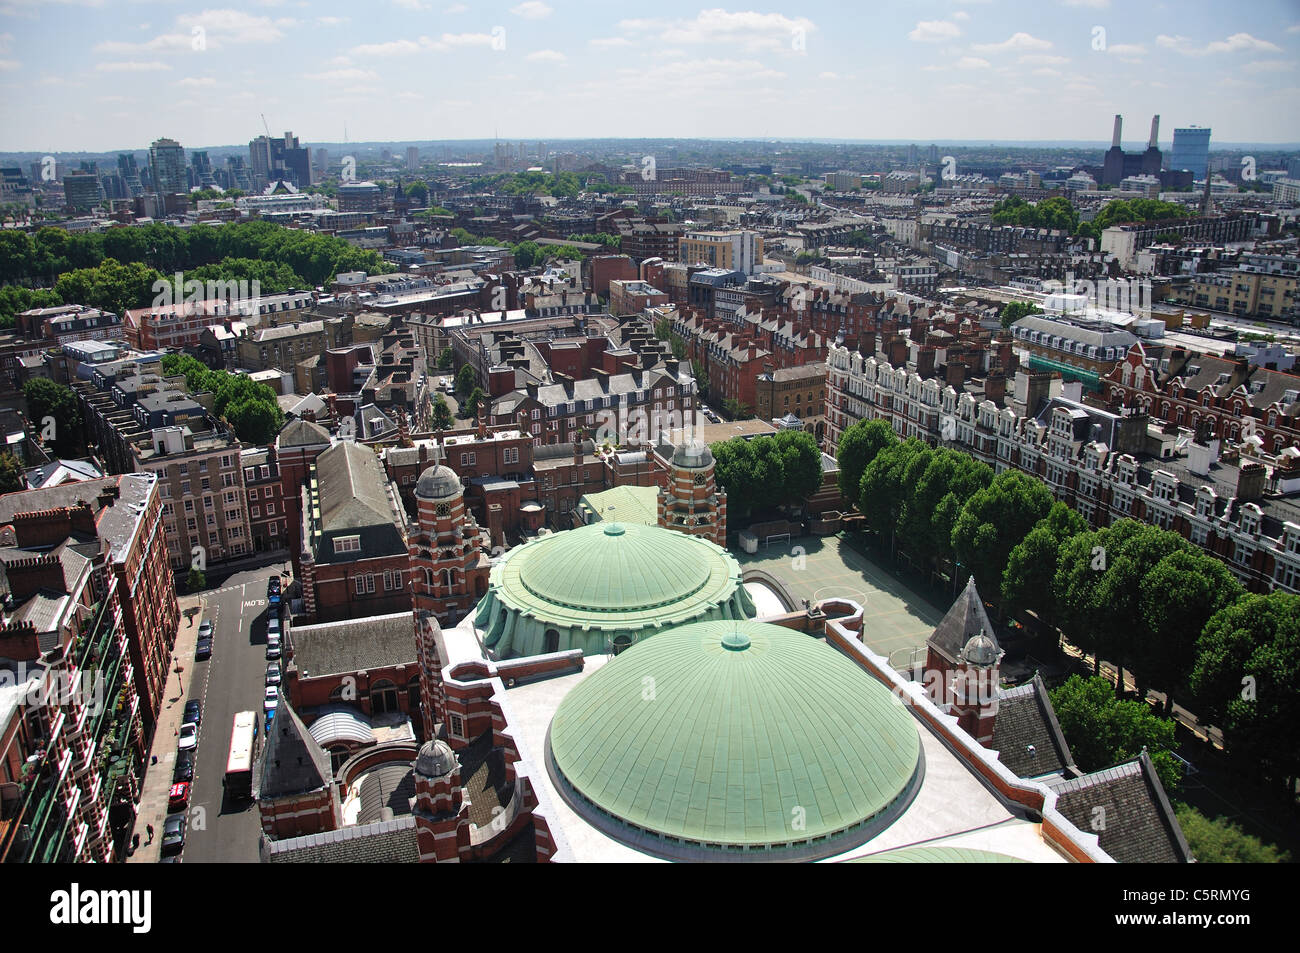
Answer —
(896, 620)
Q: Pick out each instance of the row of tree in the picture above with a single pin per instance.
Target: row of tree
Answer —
(1142, 598)
(527, 254)
(766, 472)
(38, 258)
(1057, 213)
(250, 408)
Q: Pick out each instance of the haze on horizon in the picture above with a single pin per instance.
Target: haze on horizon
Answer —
(104, 75)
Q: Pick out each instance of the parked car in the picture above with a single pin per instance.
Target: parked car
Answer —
(203, 648)
(272, 698)
(189, 737)
(273, 673)
(273, 630)
(184, 770)
(272, 647)
(173, 838)
(205, 629)
(193, 712)
(273, 590)
(270, 717)
(179, 796)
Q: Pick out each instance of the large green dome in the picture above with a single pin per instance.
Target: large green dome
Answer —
(613, 567)
(606, 585)
(740, 740)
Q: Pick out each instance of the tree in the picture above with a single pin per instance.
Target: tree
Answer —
(993, 521)
(1015, 310)
(735, 410)
(1028, 580)
(882, 490)
(1103, 731)
(859, 445)
(701, 373)
(446, 359)
(442, 419)
(801, 464)
(11, 473)
(1176, 599)
(473, 402)
(1244, 680)
(937, 486)
(419, 192)
(1220, 841)
(466, 381)
(196, 580)
(54, 404)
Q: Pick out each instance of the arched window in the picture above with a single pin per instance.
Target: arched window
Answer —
(551, 641)
(383, 697)
(413, 696)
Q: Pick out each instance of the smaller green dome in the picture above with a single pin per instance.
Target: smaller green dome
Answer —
(613, 529)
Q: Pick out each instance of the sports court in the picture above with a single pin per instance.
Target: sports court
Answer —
(896, 620)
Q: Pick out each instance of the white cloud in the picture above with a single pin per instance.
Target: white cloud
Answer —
(828, 75)
(1126, 49)
(972, 62)
(748, 32)
(456, 8)
(532, 10)
(1017, 41)
(341, 75)
(934, 31)
(961, 15)
(333, 21)
(8, 66)
(1094, 4)
(197, 81)
(411, 4)
(1042, 59)
(1046, 71)
(546, 56)
(132, 67)
(1233, 44)
(608, 42)
(1268, 66)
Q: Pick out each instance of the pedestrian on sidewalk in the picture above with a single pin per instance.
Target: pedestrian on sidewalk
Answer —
(149, 829)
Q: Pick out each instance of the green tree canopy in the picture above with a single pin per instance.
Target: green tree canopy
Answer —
(859, 445)
(1028, 581)
(50, 403)
(993, 521)
(11, 473)
(1221, 841)
(1103, 731)
(1245, 677)
(466, 381)
(442, 419)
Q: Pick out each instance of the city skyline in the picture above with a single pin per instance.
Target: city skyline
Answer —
(416, 70)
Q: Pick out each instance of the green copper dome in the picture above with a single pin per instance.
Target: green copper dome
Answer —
(740, 738)
(612, 567)
(607, 583)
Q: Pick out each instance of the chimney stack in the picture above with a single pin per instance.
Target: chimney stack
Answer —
(1155, 132)
(1114, 139)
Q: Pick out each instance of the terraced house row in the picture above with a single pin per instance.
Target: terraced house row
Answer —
(1236, 501)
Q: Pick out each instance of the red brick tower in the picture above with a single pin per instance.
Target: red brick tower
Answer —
(692, 503)
(441, 811)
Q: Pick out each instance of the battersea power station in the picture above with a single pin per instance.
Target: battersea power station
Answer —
(613, 693)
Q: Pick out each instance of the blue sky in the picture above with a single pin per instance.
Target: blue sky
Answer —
(108, 74)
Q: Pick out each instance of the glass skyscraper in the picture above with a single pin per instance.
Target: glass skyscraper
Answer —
(1191, 150)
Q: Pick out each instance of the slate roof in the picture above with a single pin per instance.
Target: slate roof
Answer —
(1127, 808)
(962, 623)
(352, 493)
(302, 433)
(383, 842)
(1026, 717)
(292, 762)
(354, 645)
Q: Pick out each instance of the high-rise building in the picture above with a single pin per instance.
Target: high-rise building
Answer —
(912, 155)
(81, 190)
(932, 155)
(412, 158)
(322, 160)
(130, 173)
(167, 167)
(1191, 150)
(202, 169)
(272, 160)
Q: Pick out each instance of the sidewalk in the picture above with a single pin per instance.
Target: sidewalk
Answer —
(157, 783)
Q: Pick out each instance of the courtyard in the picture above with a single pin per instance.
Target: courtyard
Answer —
(896, 619)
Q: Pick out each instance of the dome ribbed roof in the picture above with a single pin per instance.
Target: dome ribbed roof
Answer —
(693, 453)
(435, 759)
(615, 567)
(981, 650)
(438, 483)
(722, 735)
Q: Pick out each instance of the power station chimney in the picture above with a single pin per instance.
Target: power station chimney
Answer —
(1155, 132)
(1114, 139)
